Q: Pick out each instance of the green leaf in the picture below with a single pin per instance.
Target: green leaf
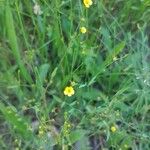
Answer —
(76, 135)
(12, 37)
(114, 53)
(120, 138)
(43, 70)
(106, 38)
(83, 144)
(109, 60)
(18, 123)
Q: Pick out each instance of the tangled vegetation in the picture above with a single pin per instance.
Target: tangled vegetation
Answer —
(74, 74)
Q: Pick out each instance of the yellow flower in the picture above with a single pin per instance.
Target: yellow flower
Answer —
(69, 91)
(113, 129)
(87, 3)
(83, 30)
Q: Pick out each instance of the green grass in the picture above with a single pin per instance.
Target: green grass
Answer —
(108, 67)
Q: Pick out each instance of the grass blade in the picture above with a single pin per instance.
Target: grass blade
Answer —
(12, 37)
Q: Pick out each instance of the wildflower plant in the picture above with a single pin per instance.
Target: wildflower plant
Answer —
(89, 58)
(87, 3)
(69, 91)
(113, 128)
(83, 30)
